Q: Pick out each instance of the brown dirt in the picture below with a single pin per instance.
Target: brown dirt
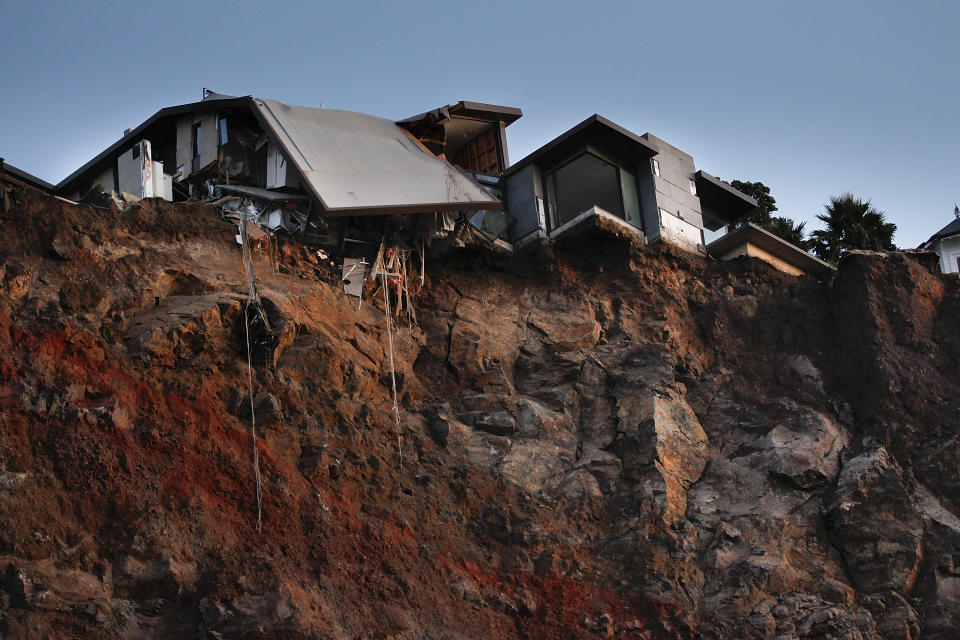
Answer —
(127, 503)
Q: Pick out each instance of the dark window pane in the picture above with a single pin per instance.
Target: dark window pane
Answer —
(586, 182)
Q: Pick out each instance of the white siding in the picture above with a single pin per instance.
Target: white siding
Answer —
(949, 250)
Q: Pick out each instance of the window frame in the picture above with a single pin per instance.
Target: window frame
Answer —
(550, 187)
(195, 133)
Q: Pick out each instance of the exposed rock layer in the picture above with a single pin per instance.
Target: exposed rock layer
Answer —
(599, 439)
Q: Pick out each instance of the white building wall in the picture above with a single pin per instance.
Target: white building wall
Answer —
(209, 142)
(140, 175)
(184, 147)
(677, 231)
(130, 169)
(949, 250)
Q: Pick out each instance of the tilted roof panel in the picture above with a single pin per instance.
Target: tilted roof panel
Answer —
(357, 163)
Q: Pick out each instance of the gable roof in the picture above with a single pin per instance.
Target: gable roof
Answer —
(951, 229)
(135, 135)
(23, 176)
(352, 163)
(596, 129)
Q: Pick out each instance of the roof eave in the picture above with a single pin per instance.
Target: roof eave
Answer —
(773, 244)
(134, 134)
(649, 148)
(23, 176)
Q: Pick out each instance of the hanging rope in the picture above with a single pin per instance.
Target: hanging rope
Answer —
(253, 421)
(393, 373)
(252, 279)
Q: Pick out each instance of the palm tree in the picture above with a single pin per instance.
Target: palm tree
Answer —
(852, 223)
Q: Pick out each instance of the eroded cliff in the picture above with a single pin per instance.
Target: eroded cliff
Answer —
(600, 439)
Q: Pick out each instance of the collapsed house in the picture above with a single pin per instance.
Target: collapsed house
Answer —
(311, 171)
(356, 185)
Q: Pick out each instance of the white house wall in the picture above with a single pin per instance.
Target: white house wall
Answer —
(679, 231)
(949, 250)
(130, 169)
(209, 141)
(184, 147)
(279, 171)
(648, 201)
(105, 180)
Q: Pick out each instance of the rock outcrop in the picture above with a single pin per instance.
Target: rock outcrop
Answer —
(597, 439)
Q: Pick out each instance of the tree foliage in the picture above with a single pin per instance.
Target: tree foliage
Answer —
(851, 223)
(780, 226)
(766, 203)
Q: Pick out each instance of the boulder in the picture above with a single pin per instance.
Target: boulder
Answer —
(875, 525)
(678, 454)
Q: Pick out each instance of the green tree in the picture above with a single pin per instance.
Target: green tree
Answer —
(792, 232)
(766, 203)
(852, 223)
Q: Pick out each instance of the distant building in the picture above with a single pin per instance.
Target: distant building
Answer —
(946, 244)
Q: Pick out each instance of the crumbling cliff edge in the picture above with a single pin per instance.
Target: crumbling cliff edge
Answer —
(599, 439)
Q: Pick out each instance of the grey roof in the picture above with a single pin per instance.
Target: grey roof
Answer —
(478, 110)
(951, 229)
(351, 162)
(775, 245)
(136, 134)
(722, 203)
(355, 163)
(23, 176)
(596, 129)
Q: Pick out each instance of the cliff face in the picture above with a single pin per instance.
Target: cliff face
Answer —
(600, 439)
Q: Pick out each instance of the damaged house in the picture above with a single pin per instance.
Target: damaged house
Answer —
(313, 172)
(653, 189)
(354, 184)
(598, 168)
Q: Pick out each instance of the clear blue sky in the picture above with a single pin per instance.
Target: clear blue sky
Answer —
(812, 98)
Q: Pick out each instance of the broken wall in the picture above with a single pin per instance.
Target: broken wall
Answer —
(523, 189)
(209, 142)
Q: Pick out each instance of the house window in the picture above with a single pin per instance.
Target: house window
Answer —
(196, 140)
(583, 183)
(693, 186)
(656, 167)
(222, 131)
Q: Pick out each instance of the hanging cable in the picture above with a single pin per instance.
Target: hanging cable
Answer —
(252, 299)
(393, 374)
